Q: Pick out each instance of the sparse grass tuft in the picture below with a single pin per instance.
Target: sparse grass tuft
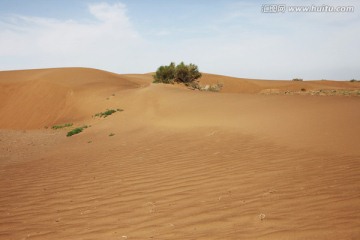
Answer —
(61, 126)
(215, 87)
(210, 88)
(193, 85)
(108, 112)
(111, 134)
(303, 90)
(76, 131)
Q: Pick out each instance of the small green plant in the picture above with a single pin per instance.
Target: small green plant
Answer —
(108, 112)
(297, 79)
(111, 134)
(61, 126)
(76, 131)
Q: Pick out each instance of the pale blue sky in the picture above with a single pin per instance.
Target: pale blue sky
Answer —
(226, 37)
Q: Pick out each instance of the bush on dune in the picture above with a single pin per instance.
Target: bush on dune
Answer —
(107, 113)
(76, 131)
(185, 74)
(181, 73)
(165, 74)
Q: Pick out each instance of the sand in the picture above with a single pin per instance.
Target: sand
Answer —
(180, 164)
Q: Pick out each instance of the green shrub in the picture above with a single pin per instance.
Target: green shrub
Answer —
(61, 126)
(181, 73)
(108, 112)
(186, 73)
(354, 80)
(165, 74)
(297, 79)
(76, 131)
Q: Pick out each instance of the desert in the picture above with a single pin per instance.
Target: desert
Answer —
(179, 120)
(260, 159)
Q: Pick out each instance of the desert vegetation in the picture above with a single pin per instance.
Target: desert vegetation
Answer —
(316, 92)
(209, 88)
(76, 130)
(181, 73)
(297, 79)
(184, 74)
(107, 113)
(62, 126)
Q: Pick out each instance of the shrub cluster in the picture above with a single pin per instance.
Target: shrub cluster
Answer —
(297, 79)
(76, 131)
(180, 73)
(108, 112)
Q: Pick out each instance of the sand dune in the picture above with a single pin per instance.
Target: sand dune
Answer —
(181, 164)
(36, 98)
(243, 85)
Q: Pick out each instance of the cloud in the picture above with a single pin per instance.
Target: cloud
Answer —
(240, 41)
(102, 42)
(110, 13)
(251, 44)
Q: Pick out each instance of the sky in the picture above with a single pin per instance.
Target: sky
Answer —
(227, 37)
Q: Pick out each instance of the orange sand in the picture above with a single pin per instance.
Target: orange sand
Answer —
(182, 164)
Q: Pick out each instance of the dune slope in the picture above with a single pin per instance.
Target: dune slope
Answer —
(36, 98)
